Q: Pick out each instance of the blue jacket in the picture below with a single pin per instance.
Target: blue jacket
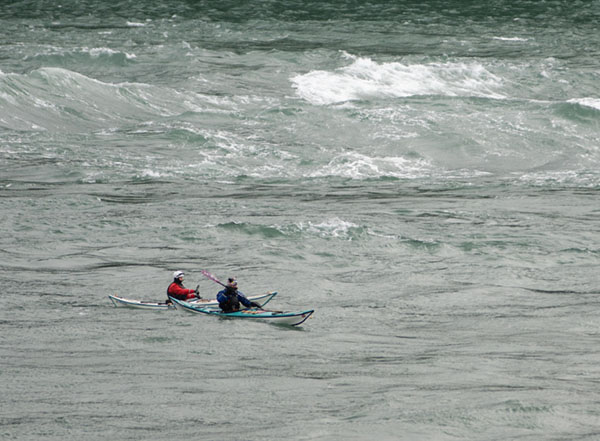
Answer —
(222, 298)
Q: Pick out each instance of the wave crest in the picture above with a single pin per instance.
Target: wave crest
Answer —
(366, 79)
(53, 98)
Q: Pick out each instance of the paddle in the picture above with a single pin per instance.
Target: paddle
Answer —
(214, 279)
(211, 277)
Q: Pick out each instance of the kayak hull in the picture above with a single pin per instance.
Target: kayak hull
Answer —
(211, 304)
(121, 302)
(275, 317)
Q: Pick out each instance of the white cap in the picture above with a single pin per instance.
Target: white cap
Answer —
(177, 274)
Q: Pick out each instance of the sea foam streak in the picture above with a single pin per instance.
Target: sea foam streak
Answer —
(367, 79)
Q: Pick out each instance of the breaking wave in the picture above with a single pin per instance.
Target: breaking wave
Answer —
(366, 79)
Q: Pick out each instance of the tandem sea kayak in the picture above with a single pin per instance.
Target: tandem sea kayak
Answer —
(276, 317)
(210, 304)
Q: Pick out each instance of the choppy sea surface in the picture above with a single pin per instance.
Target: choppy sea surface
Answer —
(425, 175)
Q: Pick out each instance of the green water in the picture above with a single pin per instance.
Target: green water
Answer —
(424, 175)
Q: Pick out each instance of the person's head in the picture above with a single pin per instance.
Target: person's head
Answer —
(232, 283)
(178, 276)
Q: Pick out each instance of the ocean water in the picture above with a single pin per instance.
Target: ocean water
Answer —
(425, 175)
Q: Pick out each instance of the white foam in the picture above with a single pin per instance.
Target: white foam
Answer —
(510, 38)
(587, 102)
(334, 227)
(358, 166)
(366, 79)
(99, 51)
(151, 173)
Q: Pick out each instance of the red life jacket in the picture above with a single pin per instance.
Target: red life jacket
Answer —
(177, 291)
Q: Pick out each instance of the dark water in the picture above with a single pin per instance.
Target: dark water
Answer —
(424, 175)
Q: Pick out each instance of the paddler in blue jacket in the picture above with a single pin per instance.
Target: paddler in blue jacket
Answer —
(230, 298)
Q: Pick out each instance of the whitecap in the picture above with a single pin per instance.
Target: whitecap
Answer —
(355, 165)
(334, 227)
(99, 51)
(587, 102)
(365, 79)
(151, 174)
(510, 38)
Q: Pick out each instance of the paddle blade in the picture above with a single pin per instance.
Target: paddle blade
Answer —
(211, 277)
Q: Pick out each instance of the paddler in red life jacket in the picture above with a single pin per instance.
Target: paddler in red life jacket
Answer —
(178, 291)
